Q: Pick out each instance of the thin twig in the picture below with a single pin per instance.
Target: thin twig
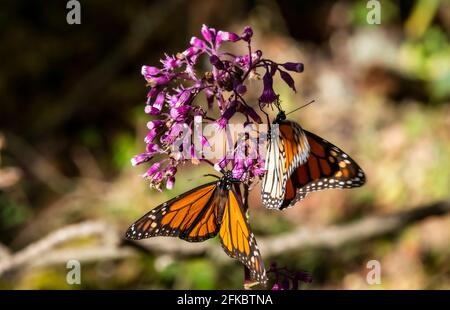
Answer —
(46, 251)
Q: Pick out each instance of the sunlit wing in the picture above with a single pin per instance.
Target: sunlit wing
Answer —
(327, 167)
(287, 149)
(191, 216)
(237, 239)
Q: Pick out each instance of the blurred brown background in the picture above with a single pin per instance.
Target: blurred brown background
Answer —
(71, 117)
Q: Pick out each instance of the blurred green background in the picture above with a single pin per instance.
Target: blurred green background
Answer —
(71, 117)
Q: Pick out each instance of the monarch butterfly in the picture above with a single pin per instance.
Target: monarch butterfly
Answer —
(299, 162)
(202, 213)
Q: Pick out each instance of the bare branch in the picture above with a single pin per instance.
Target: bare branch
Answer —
(111, 246)
(4, 252)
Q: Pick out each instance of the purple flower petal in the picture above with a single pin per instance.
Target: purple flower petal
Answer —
(173, 134)
(171, 170)
(170, 62)
(178, 113)
(154, 124)
(207, 33)
(293, 66)
(227, 115)
(224, 36)
(152, 148)
(204, 141)
(221, 123)
(241, 89)
(153, 92)
(150, 136)
(156, 107)
(157, 177)
(160, 80)
(277, 287)
(152, 170)
(196, 42)
(268, 96)
(148, 72)
(151, 110)
(183, 98)
(170, 182)
(141, 158)
(247, 34)
(189, 52)
(287, 78)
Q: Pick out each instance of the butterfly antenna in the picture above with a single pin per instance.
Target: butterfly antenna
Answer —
(211, 175)
(267, 115)
(305, 105)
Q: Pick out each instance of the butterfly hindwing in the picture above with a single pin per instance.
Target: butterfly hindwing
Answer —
(237, 239)
(191, 216)
(327, 167)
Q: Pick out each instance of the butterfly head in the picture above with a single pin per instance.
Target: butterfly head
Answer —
(227, 180)
(281, 116)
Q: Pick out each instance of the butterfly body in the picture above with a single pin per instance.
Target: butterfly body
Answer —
(211, 209)
(299, 162)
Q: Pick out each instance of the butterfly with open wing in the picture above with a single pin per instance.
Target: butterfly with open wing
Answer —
(299, 162)
(202, 213)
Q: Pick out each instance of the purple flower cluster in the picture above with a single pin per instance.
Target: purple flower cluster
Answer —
(288, 280)
(174, 104)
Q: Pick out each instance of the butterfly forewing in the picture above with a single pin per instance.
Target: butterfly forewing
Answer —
(190, 216)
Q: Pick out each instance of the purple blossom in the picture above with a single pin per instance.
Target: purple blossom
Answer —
(170, 182)
(238, 169)
(240, 89)
(178, 113)
(174, 101)
(224, 36)
(170, 171)
(170, 62)
(152, 170)
(174, 88)
(198, 43)
(159, 80)
(208, 33)
(293, 66)
(191, 51)
(150, 135)
(268, 96)
(149, 72)
(141, 158)
(288, 280)
(152, 93)
(247, 34)
(287, 78)
(154, 124)
(227, 115)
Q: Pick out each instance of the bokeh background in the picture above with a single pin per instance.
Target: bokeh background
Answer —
(71, 117)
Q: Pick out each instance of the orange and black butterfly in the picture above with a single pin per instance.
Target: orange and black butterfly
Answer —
(299, 162)
(202, 213)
